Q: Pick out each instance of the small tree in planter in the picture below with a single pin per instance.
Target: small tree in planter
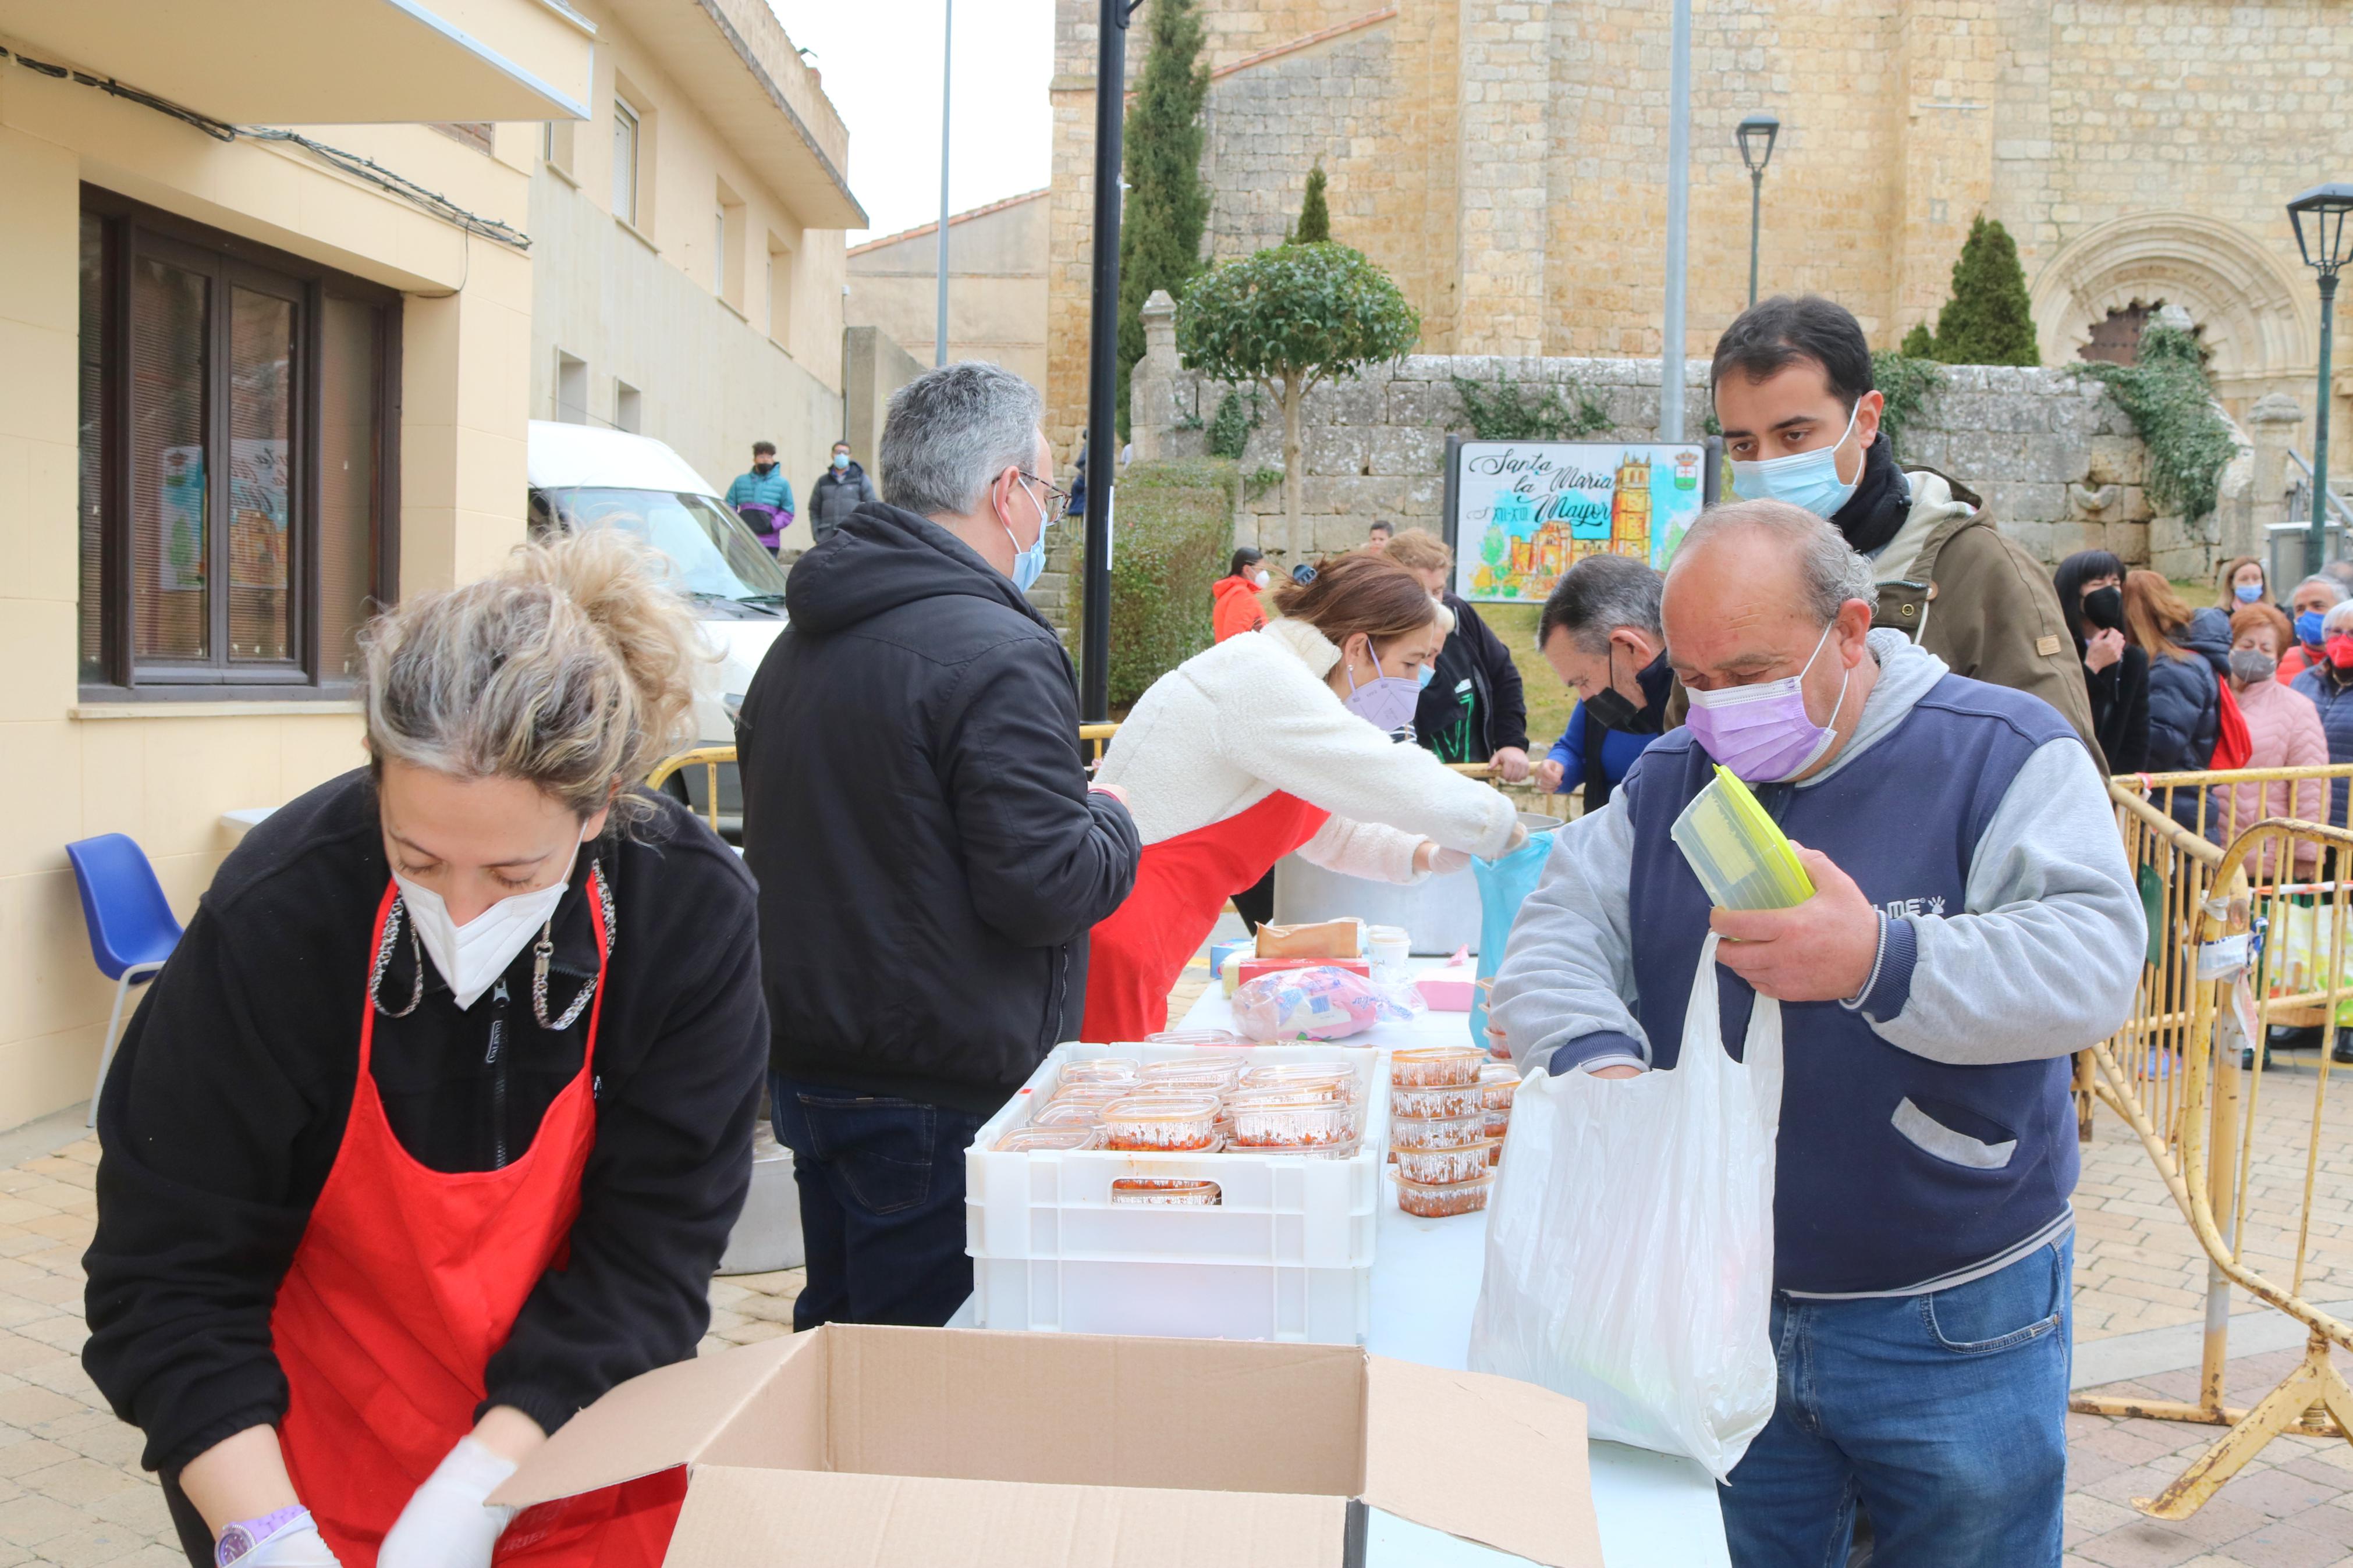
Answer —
(1286, 319)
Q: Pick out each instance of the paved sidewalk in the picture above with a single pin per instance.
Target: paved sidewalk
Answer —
(72, 1494)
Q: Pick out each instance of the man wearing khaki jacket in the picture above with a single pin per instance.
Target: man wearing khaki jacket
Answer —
(1793, 393)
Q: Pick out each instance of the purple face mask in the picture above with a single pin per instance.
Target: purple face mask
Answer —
(1763, 732)
(1388, 703)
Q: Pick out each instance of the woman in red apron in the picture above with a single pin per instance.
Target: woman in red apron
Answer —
(1279, 742)
(435, 1125)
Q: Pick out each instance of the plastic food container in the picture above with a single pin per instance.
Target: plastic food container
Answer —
(1389, 946)
(1027, 1140)
(1067, 1113)
(1444, 1167)
(1283, 1119)
(1195, 1037)
(1099, 1070)
(1494, 1152)
(1437, 1066)
(1458, 1101)
(1497, 1084)
(1336, 1080)
(1497, 1122)
(1186, 1122)
(1095, 1094)
(1183, 1069)
(1147, 1194)
(1435, 1131)
(1438, 1202)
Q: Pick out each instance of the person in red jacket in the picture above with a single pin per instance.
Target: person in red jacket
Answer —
(1233, 598)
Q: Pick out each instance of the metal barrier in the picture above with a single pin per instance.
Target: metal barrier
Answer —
(706, 757)
(2241, 937)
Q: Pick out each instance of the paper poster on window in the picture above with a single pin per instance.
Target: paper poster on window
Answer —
(1524, 511)
(180, 519)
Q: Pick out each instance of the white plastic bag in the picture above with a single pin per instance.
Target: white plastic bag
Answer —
(1629, 1241)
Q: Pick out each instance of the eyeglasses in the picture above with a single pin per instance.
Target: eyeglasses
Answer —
(1058, 499)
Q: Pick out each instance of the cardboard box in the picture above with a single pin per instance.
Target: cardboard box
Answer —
(1324, 939)
(854, 1447)
(1248, 969)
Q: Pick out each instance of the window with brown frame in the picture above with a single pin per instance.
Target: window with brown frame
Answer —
(240, 411)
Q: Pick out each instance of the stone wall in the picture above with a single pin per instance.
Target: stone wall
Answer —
(2054, 456)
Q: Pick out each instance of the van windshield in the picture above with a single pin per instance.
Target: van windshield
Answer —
(716, 554)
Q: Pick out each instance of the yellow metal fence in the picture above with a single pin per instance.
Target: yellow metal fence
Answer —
(2248, 913)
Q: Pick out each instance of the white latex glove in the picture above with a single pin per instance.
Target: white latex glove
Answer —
(1445, 862)
(447, 1524)
(299, 1547)
(1519, 837)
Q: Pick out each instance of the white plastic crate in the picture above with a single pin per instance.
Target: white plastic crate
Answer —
(1286, 1253)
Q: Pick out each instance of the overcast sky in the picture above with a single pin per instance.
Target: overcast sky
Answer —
(881, 61)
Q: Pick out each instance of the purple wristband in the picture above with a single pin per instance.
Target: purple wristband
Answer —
(245, 1534)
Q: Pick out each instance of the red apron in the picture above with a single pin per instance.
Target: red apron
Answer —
(407, 1282)
(1135, 956)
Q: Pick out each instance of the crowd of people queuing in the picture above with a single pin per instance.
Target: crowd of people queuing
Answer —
(434, 1128)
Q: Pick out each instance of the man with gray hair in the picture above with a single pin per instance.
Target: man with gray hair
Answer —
(1973, 924)
(930, 855)
(1600, 633)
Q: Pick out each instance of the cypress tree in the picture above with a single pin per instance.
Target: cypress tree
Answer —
(1919, 343)
(1167, 205)
(1314, 217)
(1989, 320)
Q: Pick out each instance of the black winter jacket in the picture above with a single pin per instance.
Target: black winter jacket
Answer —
(2185, 697)
(836, 495)
(916, 810)
(1473, 705)
(225, 1107)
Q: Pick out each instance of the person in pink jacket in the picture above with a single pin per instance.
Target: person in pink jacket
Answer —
(2284, 727)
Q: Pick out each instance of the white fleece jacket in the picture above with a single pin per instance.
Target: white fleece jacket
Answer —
(1231, 726)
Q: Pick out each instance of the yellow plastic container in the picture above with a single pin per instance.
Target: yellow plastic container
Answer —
(1739, 852)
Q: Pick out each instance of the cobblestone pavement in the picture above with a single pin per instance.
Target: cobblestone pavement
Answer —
(72, 1494)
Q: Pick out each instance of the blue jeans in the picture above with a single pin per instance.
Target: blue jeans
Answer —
(882, 1191)
(1945, 1415)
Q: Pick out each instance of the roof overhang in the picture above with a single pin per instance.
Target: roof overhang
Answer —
(325, 63)
(705, 45)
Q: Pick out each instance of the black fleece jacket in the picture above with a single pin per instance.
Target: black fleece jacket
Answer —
(916, 811)
(227, 1103)
(1473, 705)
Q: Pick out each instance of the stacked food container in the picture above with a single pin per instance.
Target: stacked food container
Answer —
(1449, 1109)
(1182, 1189)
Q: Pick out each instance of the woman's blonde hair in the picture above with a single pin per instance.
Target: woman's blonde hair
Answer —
(2153, 612)
(1419, 550)
(571, 667)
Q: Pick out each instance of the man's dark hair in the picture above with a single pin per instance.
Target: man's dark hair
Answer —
(843, 445)
(1773, 335)
(1384, 526)
(1598, 595)
(763, 448)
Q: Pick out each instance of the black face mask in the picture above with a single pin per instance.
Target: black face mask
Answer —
(1609, 707)
(2104, 608)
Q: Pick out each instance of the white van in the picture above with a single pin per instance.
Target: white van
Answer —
(586, 477)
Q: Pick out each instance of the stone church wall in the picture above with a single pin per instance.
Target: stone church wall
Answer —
(2054, 456)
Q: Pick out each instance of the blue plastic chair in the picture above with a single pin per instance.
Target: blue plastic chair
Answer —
(131, 931)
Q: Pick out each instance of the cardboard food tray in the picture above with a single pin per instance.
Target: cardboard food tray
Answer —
(853, 1447)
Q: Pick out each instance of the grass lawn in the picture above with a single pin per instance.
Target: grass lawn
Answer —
(1549, 701)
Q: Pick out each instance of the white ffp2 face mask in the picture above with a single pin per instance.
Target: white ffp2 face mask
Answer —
(472, 956)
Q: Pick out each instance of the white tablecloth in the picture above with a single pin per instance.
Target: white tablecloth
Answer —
(1655, 1512)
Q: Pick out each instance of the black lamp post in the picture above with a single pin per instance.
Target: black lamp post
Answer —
(1755, 136)
(2321, 233)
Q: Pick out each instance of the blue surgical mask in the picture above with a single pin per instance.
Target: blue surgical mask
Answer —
(842, 460)
(2248, 593)
(1808, 479)
(1028, 564)
(2308, 630)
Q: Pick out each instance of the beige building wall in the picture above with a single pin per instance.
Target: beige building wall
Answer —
(996, 287)
(716, 360)
(165, 773)
(1505, 162)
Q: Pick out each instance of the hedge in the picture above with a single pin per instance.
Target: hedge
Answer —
(1173, 534)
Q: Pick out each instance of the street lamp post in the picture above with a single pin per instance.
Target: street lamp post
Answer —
(1102, 362)
(1755, 136)
(947, 34)
(2319, 216)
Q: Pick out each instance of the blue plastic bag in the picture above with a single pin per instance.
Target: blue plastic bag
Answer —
(1504, 884)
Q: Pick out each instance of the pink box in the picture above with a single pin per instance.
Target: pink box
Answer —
(1449, 990)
